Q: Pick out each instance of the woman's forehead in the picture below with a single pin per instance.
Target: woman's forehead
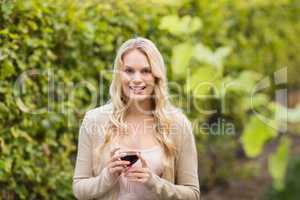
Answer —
(135, 57)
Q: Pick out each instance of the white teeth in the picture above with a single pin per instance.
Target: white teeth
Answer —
(137, 89)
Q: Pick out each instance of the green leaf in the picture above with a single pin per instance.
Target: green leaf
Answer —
(19, 133)
(6, 165)
(170, 23)
(7, 69)
(181, 56)
(173, 3)
(205, 55)
(255, 135)
(3, 108)
(7, 8)
(259, 100)
(179, 26)
(220, 54)
(278, 162)
(195, 24)
(245, 82)
(202, 80)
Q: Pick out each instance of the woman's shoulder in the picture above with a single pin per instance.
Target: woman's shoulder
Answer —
(180, 124)
(98, 114)
(100, 111)
(177, 115)
(95, 118)
(181, 127)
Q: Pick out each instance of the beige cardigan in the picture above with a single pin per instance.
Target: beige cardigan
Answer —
(90, 182)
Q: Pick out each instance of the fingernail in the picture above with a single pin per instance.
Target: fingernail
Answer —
(123, 154)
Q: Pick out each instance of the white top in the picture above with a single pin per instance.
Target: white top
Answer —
(91, 178)
(134, 190)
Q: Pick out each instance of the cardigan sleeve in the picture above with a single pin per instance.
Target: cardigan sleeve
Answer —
(186, 185)
(85, 186)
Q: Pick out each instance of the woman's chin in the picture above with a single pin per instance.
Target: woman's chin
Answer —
(138, 97)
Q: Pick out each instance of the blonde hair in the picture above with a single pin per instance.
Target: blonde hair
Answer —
(161, 102)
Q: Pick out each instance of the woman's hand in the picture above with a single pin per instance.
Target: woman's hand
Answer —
(115, 165)
(142, 174)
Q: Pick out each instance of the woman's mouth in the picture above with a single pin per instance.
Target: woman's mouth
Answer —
(137, 89)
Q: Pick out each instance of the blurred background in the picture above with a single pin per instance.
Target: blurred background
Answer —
(233, 67)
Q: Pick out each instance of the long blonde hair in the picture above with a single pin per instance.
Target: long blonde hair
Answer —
(161, 101)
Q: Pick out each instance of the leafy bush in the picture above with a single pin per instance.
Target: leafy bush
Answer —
(54, 63)
(60, 47)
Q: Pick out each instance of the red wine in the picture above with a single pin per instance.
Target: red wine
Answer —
(131, 158)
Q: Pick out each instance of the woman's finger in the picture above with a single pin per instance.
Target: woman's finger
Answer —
(117, 156)
(137, 175)
(114, 151)
(116, 169)
(138, 170)
(118, 163)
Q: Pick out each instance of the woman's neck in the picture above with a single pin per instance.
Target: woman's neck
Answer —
(140, 109)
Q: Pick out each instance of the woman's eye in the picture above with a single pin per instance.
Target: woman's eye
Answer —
(128, 70)
(146, 71)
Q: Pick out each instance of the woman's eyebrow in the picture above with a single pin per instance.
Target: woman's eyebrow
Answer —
(127, 66)
(144, 67)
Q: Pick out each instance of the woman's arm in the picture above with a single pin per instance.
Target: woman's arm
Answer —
(85, 186)
(187, 182)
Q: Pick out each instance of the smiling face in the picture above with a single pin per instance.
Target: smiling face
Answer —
(136, 77)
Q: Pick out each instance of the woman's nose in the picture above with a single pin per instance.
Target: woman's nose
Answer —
(137, 77)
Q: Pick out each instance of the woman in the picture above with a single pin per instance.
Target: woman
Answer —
(139, 119)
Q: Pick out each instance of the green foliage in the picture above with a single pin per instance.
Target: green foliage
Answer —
(71, 43)
(181, 57)
(238, 48)
(221, 49)
(291, 190)
(278, 164)
(185, 25)
(255, 135)
(205, 55)
(206, 76)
